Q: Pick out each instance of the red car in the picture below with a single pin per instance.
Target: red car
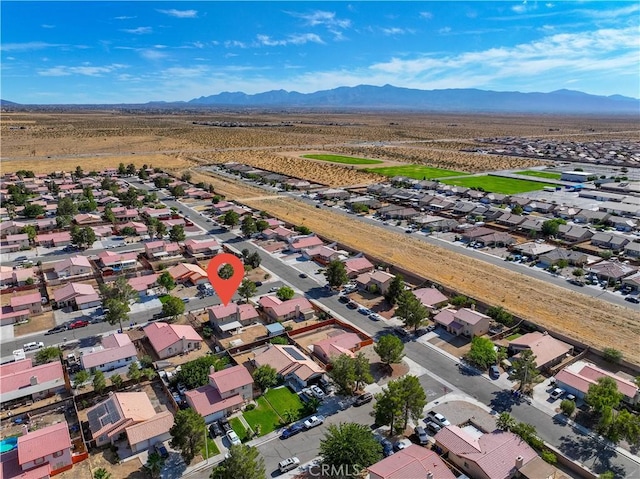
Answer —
(81, 323)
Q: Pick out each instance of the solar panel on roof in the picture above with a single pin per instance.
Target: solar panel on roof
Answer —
(294, 353)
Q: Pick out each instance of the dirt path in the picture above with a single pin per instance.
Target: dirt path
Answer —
(587, 319)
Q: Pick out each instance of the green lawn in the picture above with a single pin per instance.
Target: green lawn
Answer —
(497, 184)
(540, 174)
(513, 336)
(213, 449)
(264, 416)
(239, 428)
(164, 298)
(418, 172)
(282, 399)
(348, 160)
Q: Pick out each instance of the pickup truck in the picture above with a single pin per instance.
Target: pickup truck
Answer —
(313, 421)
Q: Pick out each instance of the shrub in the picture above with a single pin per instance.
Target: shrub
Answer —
(612, 355)
(250, 407)
(568, 407)
(549, 457)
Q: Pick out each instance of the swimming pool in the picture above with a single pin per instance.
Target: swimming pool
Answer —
(8, 444)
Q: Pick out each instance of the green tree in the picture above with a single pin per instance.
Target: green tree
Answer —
(134, 372)
(460, 300)
(166, 281)
(231, 218)
(83, 237)
(120, 290)
(390, 348)
(128, 231)
(154, 464)
(482, 353)
(226, 271)
(412, 399)
(131, 169)
(524, 369)
(48, 355)
(66, 207)
(343, 373)
(362, 370)
(99, 381)
(161, 230)
(117, 312)
(388, 408)
(177, 233)
(517, 210)
(30, 231)
(500, 315)
(285, 293)
(350, 446)
(528, 434)
(63, 221)
(149, 373)
(173, 307)
(265, 377)
(101, 473)
(551, 227)
(33, 210)
(253, 260)
(261, 225)
(612, 355)
(248, 226)
(80, 378)
(247, 289)
(336, 274)
(603, 395)
(302, 229)
(568, 407)
(505, 421)
(116, 380)
(188, 433)
(243, 462)
(122, 170)
(411, 310)
(396, 287)
(607, 475)
(196, 373)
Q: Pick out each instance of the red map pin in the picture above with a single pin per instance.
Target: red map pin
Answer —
(225, 288)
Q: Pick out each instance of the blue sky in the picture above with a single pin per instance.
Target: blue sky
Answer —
(135, 52)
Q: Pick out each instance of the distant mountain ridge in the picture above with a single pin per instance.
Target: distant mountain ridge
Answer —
(454, 100)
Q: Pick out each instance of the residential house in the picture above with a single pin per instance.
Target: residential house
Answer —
(465, 321)
(145, 434)
(432, 298)
(232, 316)
(171, 339)
(375, 281)
(46, 224)
(590, 216)
(62, 238)
(144, 283)
(632, 281)
(574, 258)
(102, 231)
(333, 194)
(137, 226)
(86, 219)
(124, 214)
(158, 213)
(548, 350)
(614, 242)
(76, 295)
(510, 220)
(21, 379)
(532, 250)
(321, 254)
(632, 250)
(31, 302)
(532, 226)
(471, 234)
(295, 308)
(411, 462)
(112, 262)
(573, 234)
(344, 343)
(73, 267)
(117, 351)
(17, 241)
(298, 243)
(156, 250)
(184, 273)
(495, 455)
(43, 452)
(205, 248)
(11, 227)
(357, 266)
(226, 392)
(290, 363)
(496, 238)
(611, 270)
(578, 377)
(623, 224)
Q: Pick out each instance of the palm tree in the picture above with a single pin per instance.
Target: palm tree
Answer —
(289, 416)
(505, 421)
(154, 464)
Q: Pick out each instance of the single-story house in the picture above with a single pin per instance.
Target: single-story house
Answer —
(145, 434)
(357, 266)
(298, 243)
(117, 351)
(632, 281)
(115, 262)
(432, 298)
(207, 247)
(612, 270)
(80, 295)
(321, 254)
(577, 378)
(171, 339)
(155, 250)
(614, 242)
(411, 462)
(290, 363)
(85, 219)
(62, 238)
(574, 258)
(137, 226)
(31, 302)
(465, 321)
(188, 273)
(496, 239)
(294, 308)
(73, 266)
(548, 350)
(573, 234)
(375, 281)
(632, 250)
(143, 283)
(18, 241)
(532, 249)
(232, 316)
(345, 343)
(22, 379)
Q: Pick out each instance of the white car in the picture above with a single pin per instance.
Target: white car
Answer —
(233, 438)
(317, 392)
(288, 464)
(313, 421)
(438, 418)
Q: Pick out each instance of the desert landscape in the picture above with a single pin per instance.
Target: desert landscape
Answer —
(54, 141)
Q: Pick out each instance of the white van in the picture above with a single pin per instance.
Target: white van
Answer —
(288, 464)
(33, 346)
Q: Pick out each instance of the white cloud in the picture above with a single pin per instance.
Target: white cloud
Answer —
(323, 18)
(520, 8)
(150, 54)
(124, 17)
(235, 43)
(44, 25)
(549, 5)
(295, 39)
(444, 30)
(85, 70)
(396, 31)
(426, 15)
(28, 46)
(180, 13)
(139, 30)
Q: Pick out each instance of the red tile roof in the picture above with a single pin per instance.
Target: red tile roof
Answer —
(21, 378)
(26, 299)
(113, 351)
(163, 335)
(430, 296)
(207, 400)
(470, 316)
(589, 375)
(230, 378)
(358, 265)
(409, 463)
(10, 469)
(154, 427)
(545, 348)
(73, 290)
(221, 311)
(337, 345)
(282, 308)
(43, 442)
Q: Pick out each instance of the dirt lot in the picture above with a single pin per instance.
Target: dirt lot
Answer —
(37, 323)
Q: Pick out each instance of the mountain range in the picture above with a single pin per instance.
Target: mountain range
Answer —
(388, 97)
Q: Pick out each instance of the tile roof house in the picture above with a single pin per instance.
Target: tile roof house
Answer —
(289, 362)
(110, 418)
(284, 310)
(575, 258)
(29, 302)
(116, 262)
(137, 226)
(465, 321)
(632, 281)
(632, 250)
(283, 233)
(145, 434)
(321, 254)
(226, 392)
(496, 238)
(76, 294)
(159, 213)
(576, 379)
(47, 449)
(496, 455)
(614, 242)
(207, 247)
(73, 266)
(613, 270)
(84, 219)
(171, 339)
(188, 273)
(573, 234)
(345, 343)
(62, 238)
(117, 351)
(297, 243)
(548, 350)
(18, 241)
(357, 266)
(143, 283)
(155, 250)
(412, 462)
(232, 316)
(432, 298)
(375, 281)
(22, 379)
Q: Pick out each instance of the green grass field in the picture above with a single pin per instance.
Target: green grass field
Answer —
(282, 399)
(264, 416)
(213, 449)
(497, 184)
(540, 174)
(238, 427)
(347, 160)
(513, 336)
(418, 172)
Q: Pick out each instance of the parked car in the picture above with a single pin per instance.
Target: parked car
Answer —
(313, 421)
(33, 346)
(292, 430)
(632, 299)
(401, 444)
(387, 447)
(363, 310)
(421, 435)
(438, 418)
(288, 464)
(303, 275)
(557, 393)
(494, 372)
(326, 386)
(233, 438)
(374, 317)
(162, 450)
(56, 329)
(433, 426)
(317, 392)
(224, 423)
(363, 399)
(343, 298)
(352, 305)
(80, 323)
